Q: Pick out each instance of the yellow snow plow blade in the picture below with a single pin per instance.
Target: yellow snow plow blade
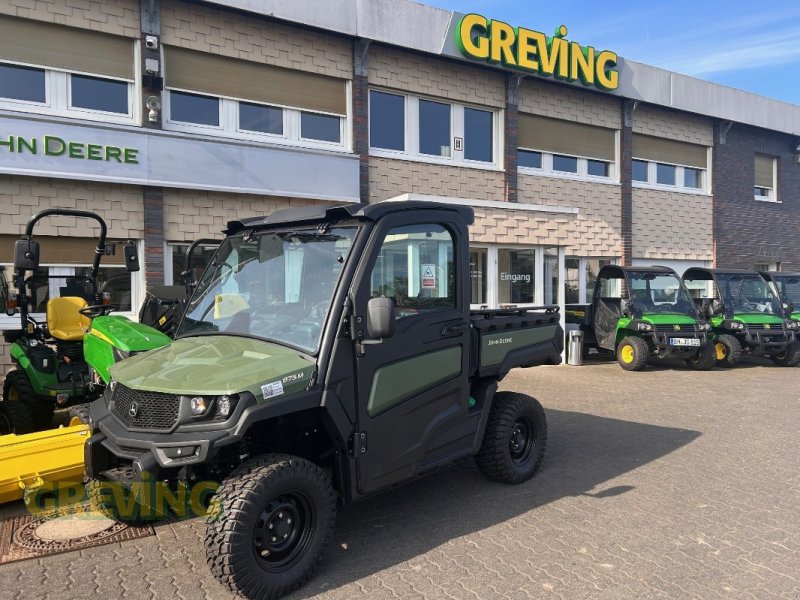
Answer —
(29, 461)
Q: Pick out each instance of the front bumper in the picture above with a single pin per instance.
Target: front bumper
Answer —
(766, 341)
(662, 344)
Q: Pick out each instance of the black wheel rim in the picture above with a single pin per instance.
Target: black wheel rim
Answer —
(522, 440)
(283, 531)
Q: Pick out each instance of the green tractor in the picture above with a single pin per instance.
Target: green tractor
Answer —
(641, 313)
(787, 287)
(746, 316)
(64, 360)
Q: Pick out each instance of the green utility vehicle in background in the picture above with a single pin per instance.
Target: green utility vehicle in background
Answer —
(641, 313)
(745, 314)
(787, 287)
(327, 353)
(64, 360)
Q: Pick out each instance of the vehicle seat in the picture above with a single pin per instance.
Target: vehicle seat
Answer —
(63, 319)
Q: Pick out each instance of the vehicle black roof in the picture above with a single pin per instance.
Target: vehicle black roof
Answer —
(724, 271)
(367, 212)
(640, 269)
(782, 273)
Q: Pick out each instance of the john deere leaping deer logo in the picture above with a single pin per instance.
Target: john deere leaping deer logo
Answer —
(676, 327)
(767, 326)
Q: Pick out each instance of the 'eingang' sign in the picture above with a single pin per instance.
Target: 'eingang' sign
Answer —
(479, 38)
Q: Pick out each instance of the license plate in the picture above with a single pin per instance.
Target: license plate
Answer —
(684, 341)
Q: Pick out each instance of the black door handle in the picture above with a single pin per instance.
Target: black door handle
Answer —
(455, 328)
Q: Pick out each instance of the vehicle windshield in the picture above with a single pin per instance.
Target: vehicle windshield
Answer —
(659, 293)
(276, 286)
(789, 288)
(745, 293)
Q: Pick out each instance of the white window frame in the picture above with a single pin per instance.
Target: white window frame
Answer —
(583, 168)
(229, 123)
(170, 277)
(58, 95)
(582, 287)
(772, 195)
(411, 131)
(680, 187)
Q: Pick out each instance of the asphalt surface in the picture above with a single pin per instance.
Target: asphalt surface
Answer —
(663, 484)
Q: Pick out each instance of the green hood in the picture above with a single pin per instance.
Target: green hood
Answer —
(214, 365)
(128, 335)
(796, 316)
(757, 318)
(673, 319)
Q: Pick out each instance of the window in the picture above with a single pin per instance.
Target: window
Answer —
(669, 164)
(432, 131)
(477, 275)
(22, 83)
(250, 100)
(175, 261)
(765, 177)
(581, 276)
(96, 93)
(387, 121)
(516, 276)
(259, 118)
(415, 269)
(565, 149)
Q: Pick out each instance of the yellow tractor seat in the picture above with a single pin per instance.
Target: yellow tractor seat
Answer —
(63, 319)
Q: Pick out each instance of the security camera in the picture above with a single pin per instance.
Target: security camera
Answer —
(151, 41)
(153, 104)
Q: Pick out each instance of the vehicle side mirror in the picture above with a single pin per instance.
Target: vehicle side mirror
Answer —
(131, 258)
(625, 307)
(717, 307)
(26, 255)
(380, 318)
(789, 306)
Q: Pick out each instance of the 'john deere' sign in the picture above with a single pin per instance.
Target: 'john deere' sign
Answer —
(479, 38)
(51, 145)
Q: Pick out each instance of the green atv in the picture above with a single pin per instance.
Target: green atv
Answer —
(786, 286)
(641, 313)
(745, 314)
(65, 360)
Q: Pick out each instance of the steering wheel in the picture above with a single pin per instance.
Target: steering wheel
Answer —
(97, 310)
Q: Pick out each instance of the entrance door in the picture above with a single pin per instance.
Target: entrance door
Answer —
(413, 386)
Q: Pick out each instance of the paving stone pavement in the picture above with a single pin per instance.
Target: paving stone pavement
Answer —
(663, 484)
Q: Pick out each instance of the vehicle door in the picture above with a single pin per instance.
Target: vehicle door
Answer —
(608, 296)
(413, 386)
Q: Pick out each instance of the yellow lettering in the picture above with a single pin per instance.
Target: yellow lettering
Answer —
(607, 78)
(561, 56)
(502, 46)
(582, 63)
(526, 50)
(478, 48)
(546, 63)
(197, 499)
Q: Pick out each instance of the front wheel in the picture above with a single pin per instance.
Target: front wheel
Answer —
(632, 353)
(727, 350)
(514, 440)
(790, 358)
(17, 413)
(270, 520)
(704, 360)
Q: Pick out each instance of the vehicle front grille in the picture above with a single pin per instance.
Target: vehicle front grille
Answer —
(145, 410)
(671, 328)
(774, 328)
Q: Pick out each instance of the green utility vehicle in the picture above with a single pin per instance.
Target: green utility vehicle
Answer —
(641, 313)
(786, 286)
(325, 354)
(745, 314)
(64, 360)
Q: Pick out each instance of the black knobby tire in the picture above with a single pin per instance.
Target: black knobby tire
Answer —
(16, 410)
(790, 358)
(79, 415)
(704, 360)
(241, 549)
(727, 350)
(632, 353)
(100, 500)
(515, 438)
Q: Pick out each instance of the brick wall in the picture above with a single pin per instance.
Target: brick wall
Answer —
(190, 214)
(392, 68)
(249, 37)
(120, 206)
(119, 17)
(596, 229)
(563, 102)
(749, 231)
(672, 225)
(390, 177)
(672, 124)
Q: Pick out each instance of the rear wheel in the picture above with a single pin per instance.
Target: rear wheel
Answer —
(270, 520)
(17, 414)
(727, 350)
(632, 353)
(514, 440)
(704, 360)
(790, 358)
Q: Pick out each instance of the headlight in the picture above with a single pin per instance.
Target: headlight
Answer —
(704, 326)
(644, 327)
(791, 324)
(737, 325)
(226, 405)
(199, 405)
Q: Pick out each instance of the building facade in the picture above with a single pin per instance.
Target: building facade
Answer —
(170, 117)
